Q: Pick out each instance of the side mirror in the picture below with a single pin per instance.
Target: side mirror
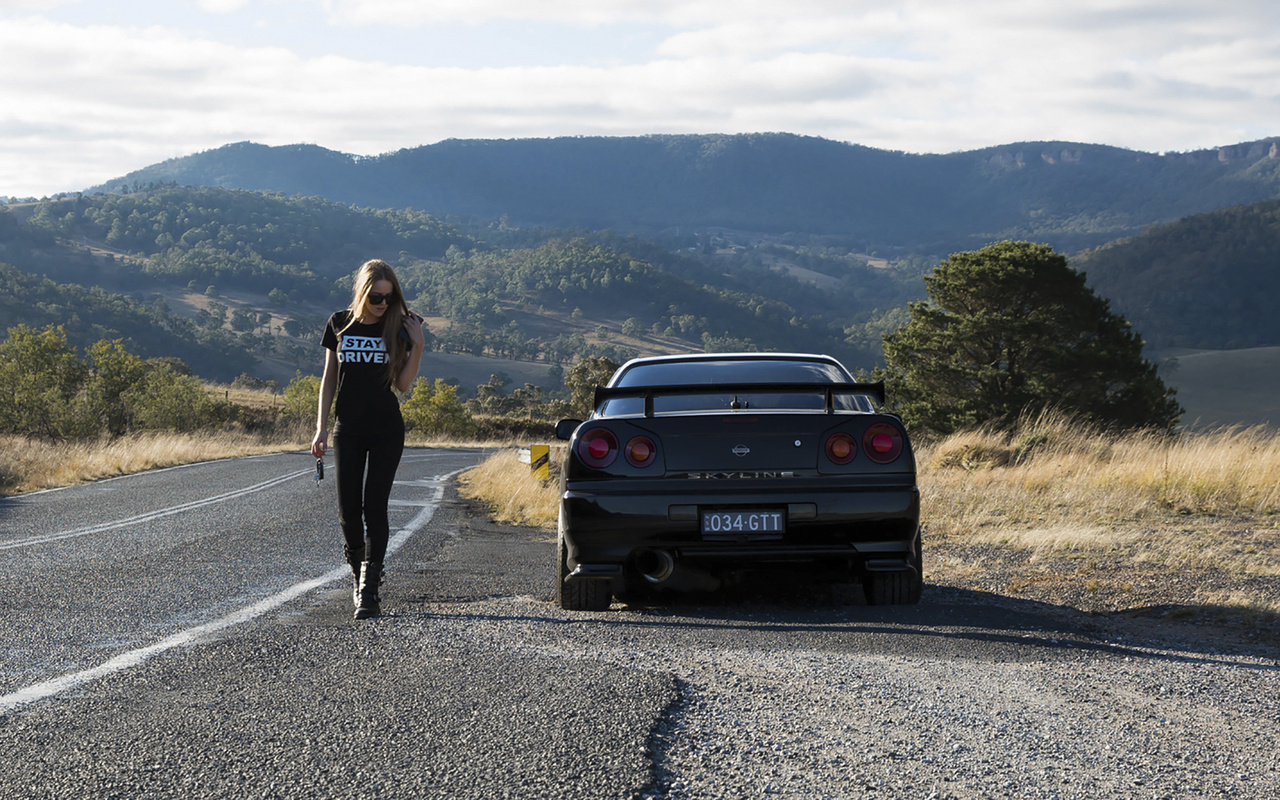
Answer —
(566, 427)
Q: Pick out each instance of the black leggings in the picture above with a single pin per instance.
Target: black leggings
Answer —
(363, 495)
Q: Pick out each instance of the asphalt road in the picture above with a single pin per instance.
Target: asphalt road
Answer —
(188, 632)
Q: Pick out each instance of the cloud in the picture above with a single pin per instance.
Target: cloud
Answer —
(35, 5)
(222, 6)
(95, 100)
(570, 12)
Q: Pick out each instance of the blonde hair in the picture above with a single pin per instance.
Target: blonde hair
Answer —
(371, 272)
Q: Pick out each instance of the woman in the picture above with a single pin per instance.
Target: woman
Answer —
(375, 347)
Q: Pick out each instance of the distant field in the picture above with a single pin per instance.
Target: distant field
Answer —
(471, 371)
(1228, 387)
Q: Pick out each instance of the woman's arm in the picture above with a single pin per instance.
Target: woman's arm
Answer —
(413, 327)
(328, 385)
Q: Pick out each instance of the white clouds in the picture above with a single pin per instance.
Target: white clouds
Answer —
(568, 12)
(222, 6)
(34, 5)
(94, 99)
(477, 12)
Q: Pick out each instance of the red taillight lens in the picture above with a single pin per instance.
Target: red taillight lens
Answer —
(883, 443)
(641, 451)
(841, 448)
(598, 448)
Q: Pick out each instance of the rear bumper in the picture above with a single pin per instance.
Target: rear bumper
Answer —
(606, 524)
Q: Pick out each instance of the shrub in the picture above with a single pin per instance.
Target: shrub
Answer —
(302, 398)
(165, 400)
(41, 378)
(435, 409)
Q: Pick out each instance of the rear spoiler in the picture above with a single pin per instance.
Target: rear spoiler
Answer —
(828, 390)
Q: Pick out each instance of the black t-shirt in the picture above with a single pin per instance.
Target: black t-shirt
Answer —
(364, 395)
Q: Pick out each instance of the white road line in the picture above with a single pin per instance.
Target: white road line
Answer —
(194, 465)
(151, 515)
(133, 658)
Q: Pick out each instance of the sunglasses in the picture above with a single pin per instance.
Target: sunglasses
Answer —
(376, 299)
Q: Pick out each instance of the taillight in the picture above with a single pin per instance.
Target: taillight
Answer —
(882, 442)
(641, 451)
(598, 448)
(841, 448)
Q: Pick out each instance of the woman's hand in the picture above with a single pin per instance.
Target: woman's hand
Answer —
(413, 327)
(320, 444)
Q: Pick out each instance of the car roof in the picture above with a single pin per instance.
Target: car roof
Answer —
(749, 356)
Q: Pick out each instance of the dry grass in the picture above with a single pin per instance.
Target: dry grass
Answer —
(1057, 509)
(504, 484)
(252, 399)
(1052, 468)
(29, 465)
(1065, 513)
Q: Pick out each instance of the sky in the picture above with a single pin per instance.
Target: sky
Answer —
(93, 89)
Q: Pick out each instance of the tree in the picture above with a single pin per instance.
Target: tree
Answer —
(1011, 328)
(242, 321)
(489, 398)
(47, 391)
(113, 370)
(584, 377)
(41, 377)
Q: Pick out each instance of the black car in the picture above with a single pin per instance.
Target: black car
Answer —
(698, 467)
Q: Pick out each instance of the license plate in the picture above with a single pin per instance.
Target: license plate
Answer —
(744, 522)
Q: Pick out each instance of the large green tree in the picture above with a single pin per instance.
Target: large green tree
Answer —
(1011, 328)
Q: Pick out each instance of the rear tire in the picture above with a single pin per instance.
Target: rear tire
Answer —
(892, 588)
(579, 595)
(896, 588)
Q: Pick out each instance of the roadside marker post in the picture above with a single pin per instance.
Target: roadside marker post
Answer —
(540, 461)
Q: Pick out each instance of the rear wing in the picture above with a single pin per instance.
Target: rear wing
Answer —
(828, 390)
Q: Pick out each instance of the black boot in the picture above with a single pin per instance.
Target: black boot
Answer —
(370, 580)
(355, 558)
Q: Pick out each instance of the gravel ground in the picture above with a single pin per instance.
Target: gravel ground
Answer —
(969, 694)
(1108, 582)
(824, 703)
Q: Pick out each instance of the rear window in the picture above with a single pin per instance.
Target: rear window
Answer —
(716, 374)
(679, 373)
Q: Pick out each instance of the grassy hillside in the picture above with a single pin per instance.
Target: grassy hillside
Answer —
(1228, 387)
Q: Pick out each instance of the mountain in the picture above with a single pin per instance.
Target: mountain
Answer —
(533, 253)
(1207, 281)
(1072, 196)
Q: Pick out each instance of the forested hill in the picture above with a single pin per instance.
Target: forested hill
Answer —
(1208, 281)
(1072, 196)
(226, 277)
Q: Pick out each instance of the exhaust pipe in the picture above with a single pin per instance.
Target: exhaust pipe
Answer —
(655, 565)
